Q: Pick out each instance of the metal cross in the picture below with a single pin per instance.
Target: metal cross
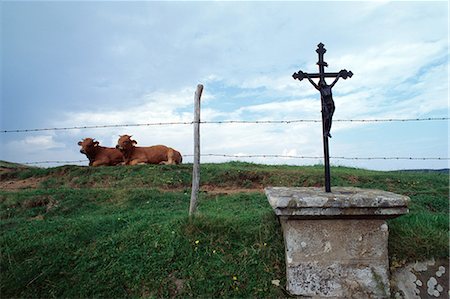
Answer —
(326, 98)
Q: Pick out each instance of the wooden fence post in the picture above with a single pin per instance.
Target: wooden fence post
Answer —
(196, 165)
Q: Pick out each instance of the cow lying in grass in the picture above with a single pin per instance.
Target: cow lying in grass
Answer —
(100, 155)
(157, 154)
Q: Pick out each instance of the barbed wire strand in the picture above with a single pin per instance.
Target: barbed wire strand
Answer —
(223, 122)
(264, 156)
(316, 157)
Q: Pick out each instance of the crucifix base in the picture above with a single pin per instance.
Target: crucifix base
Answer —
(336, 243)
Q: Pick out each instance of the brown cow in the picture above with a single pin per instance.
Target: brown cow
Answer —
(157, 154)
(99, 155)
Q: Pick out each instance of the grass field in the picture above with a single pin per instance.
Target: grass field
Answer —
(118, 232)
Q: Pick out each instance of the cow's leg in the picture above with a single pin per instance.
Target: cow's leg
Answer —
(99, 163)
(170, 158)
(136, 162)
(133, 162)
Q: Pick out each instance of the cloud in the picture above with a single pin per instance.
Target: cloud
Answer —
(152, 107)
(34, 148)
(41, 142)
(307, 108)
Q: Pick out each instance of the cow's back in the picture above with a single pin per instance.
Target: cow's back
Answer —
(152, 154)
(113, 155)
(105, 156)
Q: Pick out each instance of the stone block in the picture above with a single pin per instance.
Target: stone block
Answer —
(336, 243)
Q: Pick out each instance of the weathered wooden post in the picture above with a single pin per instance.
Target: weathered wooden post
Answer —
(196, 165)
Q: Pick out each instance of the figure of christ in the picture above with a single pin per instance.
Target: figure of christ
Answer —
(327, 101)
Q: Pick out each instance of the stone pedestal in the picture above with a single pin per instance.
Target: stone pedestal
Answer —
(336, 243)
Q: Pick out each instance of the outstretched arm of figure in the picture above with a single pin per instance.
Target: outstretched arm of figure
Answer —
(311, 81)
(335, 80)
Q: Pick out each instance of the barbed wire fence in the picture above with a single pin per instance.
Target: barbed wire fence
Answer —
(260, 156)
(236, 156)
(223, 122)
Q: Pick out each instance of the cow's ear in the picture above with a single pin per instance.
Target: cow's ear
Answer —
(134, 141)
(79, 142)
(95, 143)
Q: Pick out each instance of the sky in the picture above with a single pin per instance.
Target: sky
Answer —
(67, 64)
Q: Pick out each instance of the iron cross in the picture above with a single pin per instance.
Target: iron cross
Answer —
(327, 102)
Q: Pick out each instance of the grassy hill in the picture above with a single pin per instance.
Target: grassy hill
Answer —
(117, 232)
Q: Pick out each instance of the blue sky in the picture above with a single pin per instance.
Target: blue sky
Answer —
(96, 63)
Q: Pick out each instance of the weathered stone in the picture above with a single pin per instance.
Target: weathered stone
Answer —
(406, 282)
(440, 271)
(421, 266)
(426, 285)
(324, 260)
(336, 243)
(432, 282)
(276, 282)
(431, 262)
(343, 202)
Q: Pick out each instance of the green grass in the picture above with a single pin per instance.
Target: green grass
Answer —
(124, 231)
(137, 242)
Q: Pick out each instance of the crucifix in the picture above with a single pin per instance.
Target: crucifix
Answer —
(326, 98)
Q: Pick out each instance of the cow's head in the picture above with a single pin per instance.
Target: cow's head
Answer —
(125, 143)
(87, 145)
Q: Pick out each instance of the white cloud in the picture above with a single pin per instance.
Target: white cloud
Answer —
(153, 107)
(40, 142)
(307, 108)
(34, 148)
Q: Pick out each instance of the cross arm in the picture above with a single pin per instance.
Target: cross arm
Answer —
(301, 75)
(344, 74)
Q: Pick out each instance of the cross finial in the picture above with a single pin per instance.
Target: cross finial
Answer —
(321, 51)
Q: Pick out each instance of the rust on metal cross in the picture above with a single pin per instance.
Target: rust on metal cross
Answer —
(327, 102)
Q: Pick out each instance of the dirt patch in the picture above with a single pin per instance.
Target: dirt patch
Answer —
(35, 202)
(37, 218)
(34, 183)
(215, 190)
(10, 168)
(177, 287)
(353, 179)
(4, 170)
(29, 183)
(42, 201)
